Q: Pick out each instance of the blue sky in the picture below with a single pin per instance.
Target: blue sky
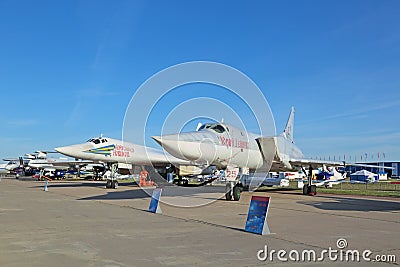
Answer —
(69, 68)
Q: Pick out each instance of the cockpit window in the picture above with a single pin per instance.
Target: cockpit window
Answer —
(97, 140)
(204, 126)
(215, 127)
(218, 128)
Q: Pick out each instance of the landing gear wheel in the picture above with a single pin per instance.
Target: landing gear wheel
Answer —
(114, 184)
(228, 194)
(108, 184)
(185, 182)
(237, 190)
(313, 190)
(306, 190)
(309, 190)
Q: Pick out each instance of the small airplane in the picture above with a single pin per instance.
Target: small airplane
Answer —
(39, 161)
(54, 167)
(112, 151)
(55, 163)
(226, 146)
(27, 163)
(328, 176)
(12, 166)
(38, 155)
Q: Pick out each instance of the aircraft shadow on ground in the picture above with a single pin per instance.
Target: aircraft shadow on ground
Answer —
(80, 184)
(351, 204)
(120, 195)
(294, 191)
(147, 192)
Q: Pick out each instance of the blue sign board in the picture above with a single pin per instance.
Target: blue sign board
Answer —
(257, 216)
(155, 198)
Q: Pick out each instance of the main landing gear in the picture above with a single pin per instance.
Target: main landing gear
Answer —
(112, 182)
(233, 191)
(309, 189)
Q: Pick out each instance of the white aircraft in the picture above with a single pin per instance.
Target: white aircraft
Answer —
(226, 146)
(112, 151)
(39, 160)
(38, 155)
(9, 167)
(55, 163)
(328, 176)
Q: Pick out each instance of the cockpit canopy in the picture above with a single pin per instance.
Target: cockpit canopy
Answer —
(219, 128)
(97, 140)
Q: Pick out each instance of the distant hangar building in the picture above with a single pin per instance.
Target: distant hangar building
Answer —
(394, 173)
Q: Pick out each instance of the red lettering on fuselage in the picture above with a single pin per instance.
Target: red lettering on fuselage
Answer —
(122, 151)
(234, 142)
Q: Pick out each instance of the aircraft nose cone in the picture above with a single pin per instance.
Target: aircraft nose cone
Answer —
(78, 151)
(158, 139)
(187, 146)
(62, 149)
(170, 143)
(173, 144)
(71, 151)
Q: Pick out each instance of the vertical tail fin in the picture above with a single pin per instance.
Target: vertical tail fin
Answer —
(288, 132)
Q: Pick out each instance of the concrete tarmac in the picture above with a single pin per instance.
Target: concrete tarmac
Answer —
(84, 224)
